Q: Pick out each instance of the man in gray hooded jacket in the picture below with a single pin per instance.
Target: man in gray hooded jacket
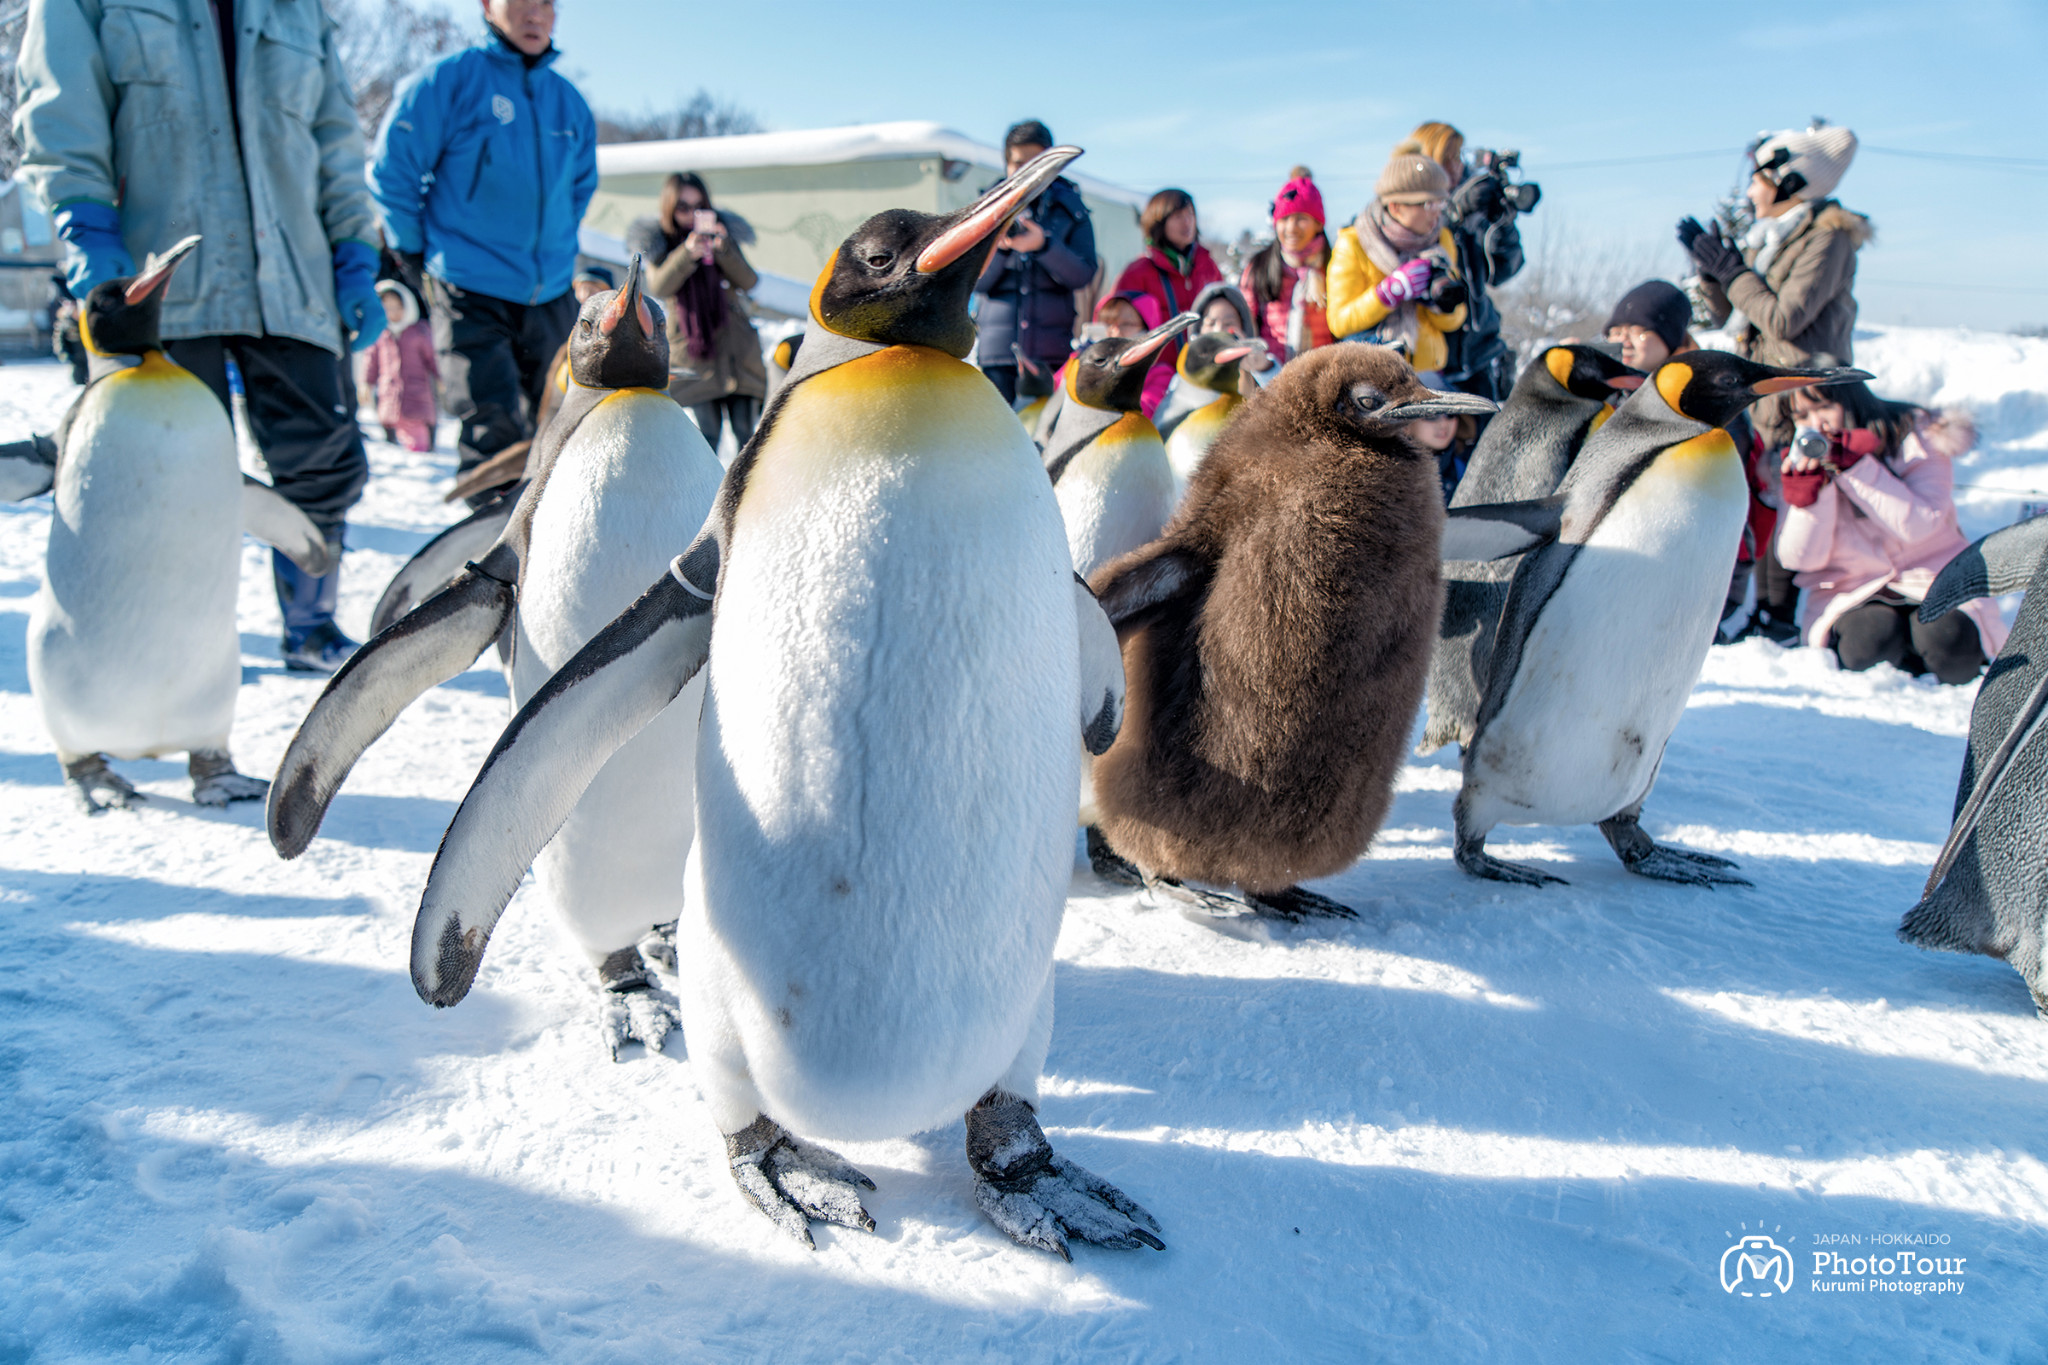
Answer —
(144, 121)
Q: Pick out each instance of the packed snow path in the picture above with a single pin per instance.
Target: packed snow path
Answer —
(1481, 1123)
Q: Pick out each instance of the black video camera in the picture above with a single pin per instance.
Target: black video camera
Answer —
(1446, 290)
(1489, 190)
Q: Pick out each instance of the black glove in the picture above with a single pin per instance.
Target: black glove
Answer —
(1716, 258)
(1479, 194)
(1689, 231)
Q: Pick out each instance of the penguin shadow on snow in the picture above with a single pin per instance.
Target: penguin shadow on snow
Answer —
(110, 896)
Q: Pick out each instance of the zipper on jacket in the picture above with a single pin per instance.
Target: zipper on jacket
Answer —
(540, 170)
(483, 160)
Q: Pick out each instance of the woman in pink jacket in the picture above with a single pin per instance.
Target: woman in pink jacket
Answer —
(1869, 520)
(401, 370)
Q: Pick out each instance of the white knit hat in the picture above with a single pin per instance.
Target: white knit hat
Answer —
(1818, 155)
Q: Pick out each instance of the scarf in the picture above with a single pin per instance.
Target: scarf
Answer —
(1388, 246)
(700, 308)
(1761, 244)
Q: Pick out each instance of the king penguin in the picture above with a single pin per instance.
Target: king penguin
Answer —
(1212, 361)
(1275, 639)
(1985, 893)
(1562, 398)
(900, 661)
(1107, 463)
(1608, 620)
(132, 646)
(623, 475)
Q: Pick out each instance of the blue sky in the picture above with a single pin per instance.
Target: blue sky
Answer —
(1221, 98)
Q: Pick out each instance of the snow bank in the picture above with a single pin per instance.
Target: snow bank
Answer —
(1481, 1123)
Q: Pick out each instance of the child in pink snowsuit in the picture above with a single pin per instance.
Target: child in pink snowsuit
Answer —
(402, 370)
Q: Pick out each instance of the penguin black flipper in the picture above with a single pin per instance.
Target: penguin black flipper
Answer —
(436, 563)
(276, 521)
(2004, 561)
(1135, 586)
(428, 646)
(547, 757)
(1497, 530)
(28, 468)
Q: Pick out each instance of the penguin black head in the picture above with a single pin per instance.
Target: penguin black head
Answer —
(1713, 386)
(620, 340)
(1111, 374)
(1354, 394)
(904, 278)
(121, 317)
(1213, 360)
(1588, 371)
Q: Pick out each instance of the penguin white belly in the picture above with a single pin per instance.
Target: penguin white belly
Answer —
(1611, 659)
(887, 765)
(132, 647)
(1116, 493)
(629, 489)
(1193, 437)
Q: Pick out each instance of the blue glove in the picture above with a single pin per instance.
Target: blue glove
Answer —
(93, 250)
(355, 292)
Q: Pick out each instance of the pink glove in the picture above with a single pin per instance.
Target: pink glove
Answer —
(1404, 284)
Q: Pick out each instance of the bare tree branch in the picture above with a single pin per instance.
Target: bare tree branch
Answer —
(699, 116)
(382, 42)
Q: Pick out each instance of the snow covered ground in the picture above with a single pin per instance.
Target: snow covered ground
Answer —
(1482, 1123)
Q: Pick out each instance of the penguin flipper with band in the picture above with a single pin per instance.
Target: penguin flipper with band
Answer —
(276, 521)
(1652, 511)
(435, 564)
(545, 760)
(1983, 894)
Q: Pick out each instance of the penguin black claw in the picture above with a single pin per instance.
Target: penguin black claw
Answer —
(1296, 904)
(215, 781)
(633, 1008)
(793, 1181)
(1475, 860)
(90, 776)
(1645, 857)
(1038, 1197)
(1110, 865)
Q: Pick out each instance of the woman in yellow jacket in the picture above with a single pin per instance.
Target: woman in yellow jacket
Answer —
(1394, 275)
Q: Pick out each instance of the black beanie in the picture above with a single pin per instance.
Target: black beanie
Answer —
(1661, 307)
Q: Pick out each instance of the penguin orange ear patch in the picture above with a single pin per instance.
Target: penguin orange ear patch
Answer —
(1558, 361)
(1673, 378)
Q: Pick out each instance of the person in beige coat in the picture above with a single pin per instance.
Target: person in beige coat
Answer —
(695, 268)
(1787, 290)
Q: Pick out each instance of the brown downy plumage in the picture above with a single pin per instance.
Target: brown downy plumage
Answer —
(1277, 634)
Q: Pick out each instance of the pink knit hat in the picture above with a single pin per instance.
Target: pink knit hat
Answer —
(1299, 195)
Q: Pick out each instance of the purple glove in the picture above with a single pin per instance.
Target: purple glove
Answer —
(1404, 284)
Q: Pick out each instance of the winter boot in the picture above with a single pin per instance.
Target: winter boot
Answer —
(312, 642)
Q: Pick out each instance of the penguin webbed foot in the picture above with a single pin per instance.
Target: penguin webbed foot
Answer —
(1038, 1197)
(793, 1181)
(633, 1009)
(215, 782)
(1110, 865)
(90, 778)
(1645, 857)
(1472, 856)
(1295, 904)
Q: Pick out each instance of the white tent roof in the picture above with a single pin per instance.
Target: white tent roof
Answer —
(821, 146)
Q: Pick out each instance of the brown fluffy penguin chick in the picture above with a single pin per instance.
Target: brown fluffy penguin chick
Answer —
(1276, 636)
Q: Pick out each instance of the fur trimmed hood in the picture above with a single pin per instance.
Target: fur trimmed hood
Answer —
(1950, 431)
(1835, 218)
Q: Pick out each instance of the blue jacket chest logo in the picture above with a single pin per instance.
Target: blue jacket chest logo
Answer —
(503, 108)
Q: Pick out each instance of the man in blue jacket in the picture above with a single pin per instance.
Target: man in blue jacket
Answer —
(1027, 288)
(482, 172)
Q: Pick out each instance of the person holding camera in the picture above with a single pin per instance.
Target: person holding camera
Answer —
(1481, 215)
(694, 266)
(1786, 290)
(1025, 303)
(1394, 276)
(1869, 520)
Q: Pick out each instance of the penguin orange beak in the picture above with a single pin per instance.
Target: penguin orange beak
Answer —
(1230, 353)
(629, 299)
(156, 271)
(1784, 383)
(1146, 346)
(1627, 383)
(981, 218)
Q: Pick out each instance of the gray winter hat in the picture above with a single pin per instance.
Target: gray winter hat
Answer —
(1818, 155)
